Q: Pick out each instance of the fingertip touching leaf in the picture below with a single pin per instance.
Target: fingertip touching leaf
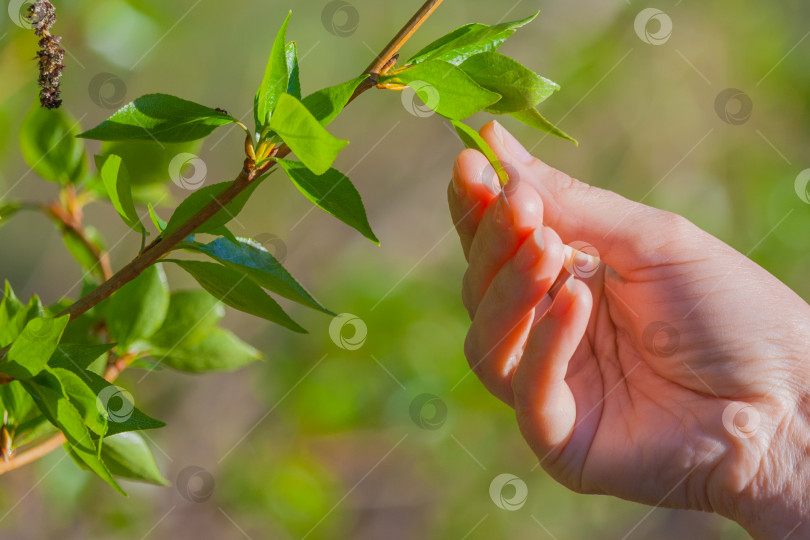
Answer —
(472, 139)
(159, 117)
(333, 192)
(306, 137)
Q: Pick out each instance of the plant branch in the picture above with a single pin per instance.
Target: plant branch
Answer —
(158, 249)
(72, 225)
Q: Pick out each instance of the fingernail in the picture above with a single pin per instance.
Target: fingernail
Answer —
(530, 252)
(512, 145)
(562, 304)
(503, 211)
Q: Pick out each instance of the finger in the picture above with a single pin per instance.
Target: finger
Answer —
(503, 320)
(626, 234)
(516, 213)
(469, 193)
(544, 404)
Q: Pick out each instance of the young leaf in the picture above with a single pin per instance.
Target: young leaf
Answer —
(49, 396)
(192, 316)
(294, 85)
(159, 117)
(472, 139)
(275, 80)
(306, 137)
(31, 350)
(224, 232)
(15, 401)
(128, 456)
(77, 356)
(122, 413)
(159, 224)
(238, 291)
(137, 309)
(7, 211)
(326, 104)
(332, 192)
(116, 180)
(14, 315)
(468, 40)
(520, 88)
(445, 88)
(531, 117)
(83, 398)
(49, 147)
(250, 258)
(197, 200)
(220, 350)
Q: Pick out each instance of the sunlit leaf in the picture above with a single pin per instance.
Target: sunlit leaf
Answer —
(275, 80)
(472, 139)
(128, 456)
(533, 118)
(31, 350)
(117, 181)
(326, 104)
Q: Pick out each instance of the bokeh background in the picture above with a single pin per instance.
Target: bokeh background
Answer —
(324, 442)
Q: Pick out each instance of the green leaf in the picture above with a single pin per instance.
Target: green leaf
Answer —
(49, 147)
(159, 117)
(137, 309)
(81, 252)
(275, 80)
(220, 350)
(122, 414)
(116, 179)
(332, 192)
(520, 88)
(445, 88)
(49, 396)
(14, 315)
(468, 40)
(238, 291)
(128, 456)
(294, 85)
(159, 224)
(306, 137)
(7, 211)
(251, 258)
(83, 398)
(77, 356)
(472, 139)
(192, 316)
(200, 198)
(31, 350)
(531, 117)
(224, 232)
(326, 104)
(15, 401)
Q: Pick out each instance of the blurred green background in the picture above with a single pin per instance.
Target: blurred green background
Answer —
(324, 442)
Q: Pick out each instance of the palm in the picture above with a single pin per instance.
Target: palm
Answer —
(647, 400)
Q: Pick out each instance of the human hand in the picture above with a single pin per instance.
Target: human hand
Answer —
(673, 374)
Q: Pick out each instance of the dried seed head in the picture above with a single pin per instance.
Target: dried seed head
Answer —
(42, 16)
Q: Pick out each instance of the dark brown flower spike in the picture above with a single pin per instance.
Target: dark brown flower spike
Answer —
(42, 16)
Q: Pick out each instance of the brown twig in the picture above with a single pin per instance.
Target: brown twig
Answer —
(72, 224)
(158, 249)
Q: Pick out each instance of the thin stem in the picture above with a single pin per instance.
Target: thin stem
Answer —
(72, 224)
(159, 248)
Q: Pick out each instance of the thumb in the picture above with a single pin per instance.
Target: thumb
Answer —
(625, 234)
